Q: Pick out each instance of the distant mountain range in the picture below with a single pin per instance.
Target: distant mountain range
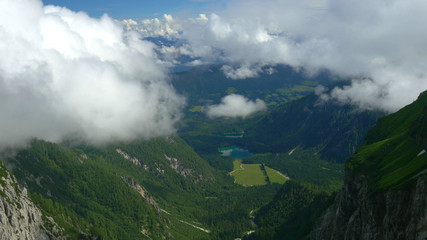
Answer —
(208, 84)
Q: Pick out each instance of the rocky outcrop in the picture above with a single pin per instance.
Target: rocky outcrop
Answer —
(359, 214)
(130, 182)
(179, 167)
(19, 217)
(126, 156)
(142, 191)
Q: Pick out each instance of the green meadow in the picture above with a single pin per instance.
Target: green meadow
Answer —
(255, 175)
(275, 176)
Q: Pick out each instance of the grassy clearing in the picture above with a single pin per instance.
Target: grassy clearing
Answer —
(236, 165)
(253, 175)
(248, 174)
(305, 167)
(275, 176)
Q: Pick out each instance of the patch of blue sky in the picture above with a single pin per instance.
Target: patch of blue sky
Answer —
(140, 9)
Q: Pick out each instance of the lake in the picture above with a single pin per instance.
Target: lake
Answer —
(235, 152)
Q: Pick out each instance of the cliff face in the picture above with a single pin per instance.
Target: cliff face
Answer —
(19, 217)
(395, 214)
(385, 186)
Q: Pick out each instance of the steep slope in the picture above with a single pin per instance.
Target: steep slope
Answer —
(156, 189)
(334, 130)
(85, 195)
(385, 186)
(19, 217)
(292, 212)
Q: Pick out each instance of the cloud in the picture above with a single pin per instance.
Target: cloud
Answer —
(235, 105)
(240, 73)
(65, 74)
(244, 71)
(380, 44)
(166, 27)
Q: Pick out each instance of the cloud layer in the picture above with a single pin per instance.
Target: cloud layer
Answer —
(65, 74)
(235, 105)
(380, 44)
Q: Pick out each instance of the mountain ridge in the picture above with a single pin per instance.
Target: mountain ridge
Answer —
(335, 129)
(385, 186)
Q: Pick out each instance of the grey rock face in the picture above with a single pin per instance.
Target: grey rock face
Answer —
(142, 191)
(19, 217)
(177, 165)
(357, 214)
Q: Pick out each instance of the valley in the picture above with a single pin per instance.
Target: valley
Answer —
(192, 185)
(213, 120)
(248, 174)
(255, 174)
(267, 176)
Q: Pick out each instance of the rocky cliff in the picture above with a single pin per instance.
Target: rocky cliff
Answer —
(395, 214)
(385, 186)
(19, 217)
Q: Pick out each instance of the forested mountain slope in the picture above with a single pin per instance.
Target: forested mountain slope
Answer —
(332, 129)
(156, 189)
(292, 212)
(85, 194)
(385, 185)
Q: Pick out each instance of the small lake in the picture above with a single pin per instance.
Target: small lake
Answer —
(235, 152)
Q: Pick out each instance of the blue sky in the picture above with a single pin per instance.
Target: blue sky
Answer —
(121, 9)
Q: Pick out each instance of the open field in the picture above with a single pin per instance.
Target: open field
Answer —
(253, 175)
(248, 174)
(275, 176)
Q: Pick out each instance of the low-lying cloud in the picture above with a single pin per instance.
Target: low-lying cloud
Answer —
(235, 105)
(380, 44)
(65, 74)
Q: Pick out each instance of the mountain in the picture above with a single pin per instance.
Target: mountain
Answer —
(385, 186)
(85, 194)
(332, 130)
(179, 187)
(20, 218)
(292, 212)
(156, 189)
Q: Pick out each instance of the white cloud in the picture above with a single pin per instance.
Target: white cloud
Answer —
(64, 74)
(130, 24)
(166, 27)
(235, 105)
(241, 72)
(245, 71)
(383, 41)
